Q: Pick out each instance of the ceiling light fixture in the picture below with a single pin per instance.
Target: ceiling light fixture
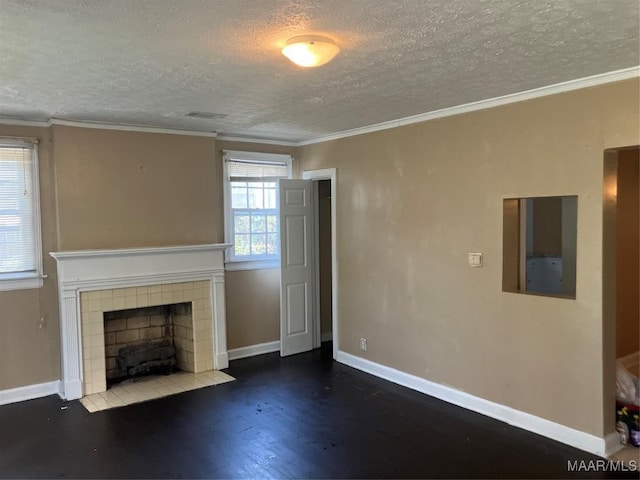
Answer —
(310, 50)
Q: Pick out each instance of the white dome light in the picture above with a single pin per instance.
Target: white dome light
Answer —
(310, 50)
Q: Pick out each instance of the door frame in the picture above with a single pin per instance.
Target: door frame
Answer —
(314, 176)
(609, 291)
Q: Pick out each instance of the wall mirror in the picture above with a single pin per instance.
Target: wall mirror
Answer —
(539, 245)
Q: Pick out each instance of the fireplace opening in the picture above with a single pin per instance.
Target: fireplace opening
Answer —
(148, 340)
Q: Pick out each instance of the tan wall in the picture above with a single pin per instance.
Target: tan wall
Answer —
(120, 189)
(253, 296)
(628, 244)
(412, 201)
(30, 354)
(253, 307)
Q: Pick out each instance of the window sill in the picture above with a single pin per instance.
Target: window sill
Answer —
(251, 265)
(21, 281)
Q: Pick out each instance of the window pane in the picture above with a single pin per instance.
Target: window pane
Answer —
(258, 223)
(255, 197)
(270, 184)
(258, 244)
(17, 210)
(270, 198)
(272, 243)
(238, 197)
(241, 223)
(241, 245)
(272, 223)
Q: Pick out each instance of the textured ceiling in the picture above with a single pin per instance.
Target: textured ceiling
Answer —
(150, 62)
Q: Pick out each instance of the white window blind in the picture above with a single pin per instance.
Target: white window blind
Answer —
(251, 204)
(247, 170)
(18, 204)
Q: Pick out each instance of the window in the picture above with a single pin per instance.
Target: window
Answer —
(20, 250)
(539, 245)
(251, 207)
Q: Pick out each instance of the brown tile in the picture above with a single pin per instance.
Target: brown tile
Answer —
(106, 304)
(142, 290)
(118, 303)
(105, 294)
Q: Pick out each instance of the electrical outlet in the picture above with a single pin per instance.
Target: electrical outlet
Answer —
(363, 344)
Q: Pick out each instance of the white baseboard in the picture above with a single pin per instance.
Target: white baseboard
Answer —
(252, 350)
(547, 428)
(326, 337)
(29, 392)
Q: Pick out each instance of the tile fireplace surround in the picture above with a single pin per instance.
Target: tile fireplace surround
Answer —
(91, 282)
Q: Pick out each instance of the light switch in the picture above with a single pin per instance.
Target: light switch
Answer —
(475, 259)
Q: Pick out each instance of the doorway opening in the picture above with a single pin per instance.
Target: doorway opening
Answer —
(303, 296)
(621, 291)
(322, 194)
(326, 291)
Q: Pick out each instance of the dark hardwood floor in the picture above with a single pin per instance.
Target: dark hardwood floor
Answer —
(300, 417)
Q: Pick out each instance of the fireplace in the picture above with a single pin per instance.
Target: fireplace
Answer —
(135, 338)
(95, 283)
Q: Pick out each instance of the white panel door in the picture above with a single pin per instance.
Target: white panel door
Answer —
(297, 274)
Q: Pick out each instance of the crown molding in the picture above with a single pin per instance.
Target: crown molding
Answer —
(23, 123)
(263, 141)
(104, 126)
(129, 128)
(592, 81)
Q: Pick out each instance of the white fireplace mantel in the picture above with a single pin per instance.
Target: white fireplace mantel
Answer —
(87, 270)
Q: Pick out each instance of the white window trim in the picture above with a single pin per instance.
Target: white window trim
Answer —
(254, 264)
(23, 281)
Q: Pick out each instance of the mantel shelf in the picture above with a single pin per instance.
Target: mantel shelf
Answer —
(123, 252)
